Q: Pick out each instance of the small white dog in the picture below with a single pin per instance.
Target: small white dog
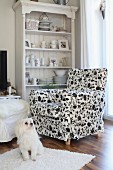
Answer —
(28, 139)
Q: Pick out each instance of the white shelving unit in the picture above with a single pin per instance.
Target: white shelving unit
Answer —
(60, 15)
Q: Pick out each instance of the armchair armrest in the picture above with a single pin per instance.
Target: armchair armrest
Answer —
(48, 96)
(51, 102)
(37, 96)
(88, 103)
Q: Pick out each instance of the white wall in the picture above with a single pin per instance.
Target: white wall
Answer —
(7, 32)
(7, 35)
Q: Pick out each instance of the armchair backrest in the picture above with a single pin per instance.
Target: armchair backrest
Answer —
(85, 79)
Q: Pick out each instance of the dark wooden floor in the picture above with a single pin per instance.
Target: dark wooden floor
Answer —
(102, 148)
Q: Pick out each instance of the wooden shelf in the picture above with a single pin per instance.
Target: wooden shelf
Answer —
(40, 32)
(10, 97)
(41, 85)
(47, 49)
(46, 67)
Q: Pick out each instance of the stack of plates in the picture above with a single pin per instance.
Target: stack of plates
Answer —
(60, 79)
(44, 25)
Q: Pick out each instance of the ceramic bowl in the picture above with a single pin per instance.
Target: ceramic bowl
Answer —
(60, 72)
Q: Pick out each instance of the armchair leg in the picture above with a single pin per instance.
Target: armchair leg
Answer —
(98, 135)
(68, 142)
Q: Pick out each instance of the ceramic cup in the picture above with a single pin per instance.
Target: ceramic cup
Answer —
(43, 44)
(55, 28)
(33, 45)
(35, 81)
(54, 44)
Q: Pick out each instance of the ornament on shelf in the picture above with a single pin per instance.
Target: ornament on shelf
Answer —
(61, 2)
(31, 24)
(9, 90)
(44, 22)
(34, 0)
(53, 62)
(103, 7)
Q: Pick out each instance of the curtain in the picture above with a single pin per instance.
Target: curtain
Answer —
(96, 46)
(91, 34)
(97, 43)
(109, 56)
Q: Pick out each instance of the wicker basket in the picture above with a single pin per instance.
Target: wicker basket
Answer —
(31, 24)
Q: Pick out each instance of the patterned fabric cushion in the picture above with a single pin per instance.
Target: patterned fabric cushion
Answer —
(83, 79)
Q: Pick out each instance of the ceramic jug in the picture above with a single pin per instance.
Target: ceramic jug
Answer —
(32, 61)
(60, 2)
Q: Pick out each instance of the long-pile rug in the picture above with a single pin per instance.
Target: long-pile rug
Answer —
(51, 160)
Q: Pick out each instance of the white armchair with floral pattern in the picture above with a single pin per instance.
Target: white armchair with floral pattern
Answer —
(74, 112)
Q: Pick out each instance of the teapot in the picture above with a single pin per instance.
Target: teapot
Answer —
(60, 2)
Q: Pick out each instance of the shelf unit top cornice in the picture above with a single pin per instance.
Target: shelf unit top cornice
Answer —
(30, 6)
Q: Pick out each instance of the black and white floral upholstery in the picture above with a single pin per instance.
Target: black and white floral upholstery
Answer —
(85, 79)
(50, 110)
(74, 112)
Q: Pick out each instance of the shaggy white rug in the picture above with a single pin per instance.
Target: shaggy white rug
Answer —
(51, 160)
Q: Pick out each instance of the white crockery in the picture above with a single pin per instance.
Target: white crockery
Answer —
(60, 72)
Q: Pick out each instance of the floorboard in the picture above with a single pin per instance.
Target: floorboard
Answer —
(101, 147)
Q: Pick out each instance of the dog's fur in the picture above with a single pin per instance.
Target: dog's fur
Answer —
(28, 139)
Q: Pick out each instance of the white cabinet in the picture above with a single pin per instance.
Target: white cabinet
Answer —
(39, 53)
